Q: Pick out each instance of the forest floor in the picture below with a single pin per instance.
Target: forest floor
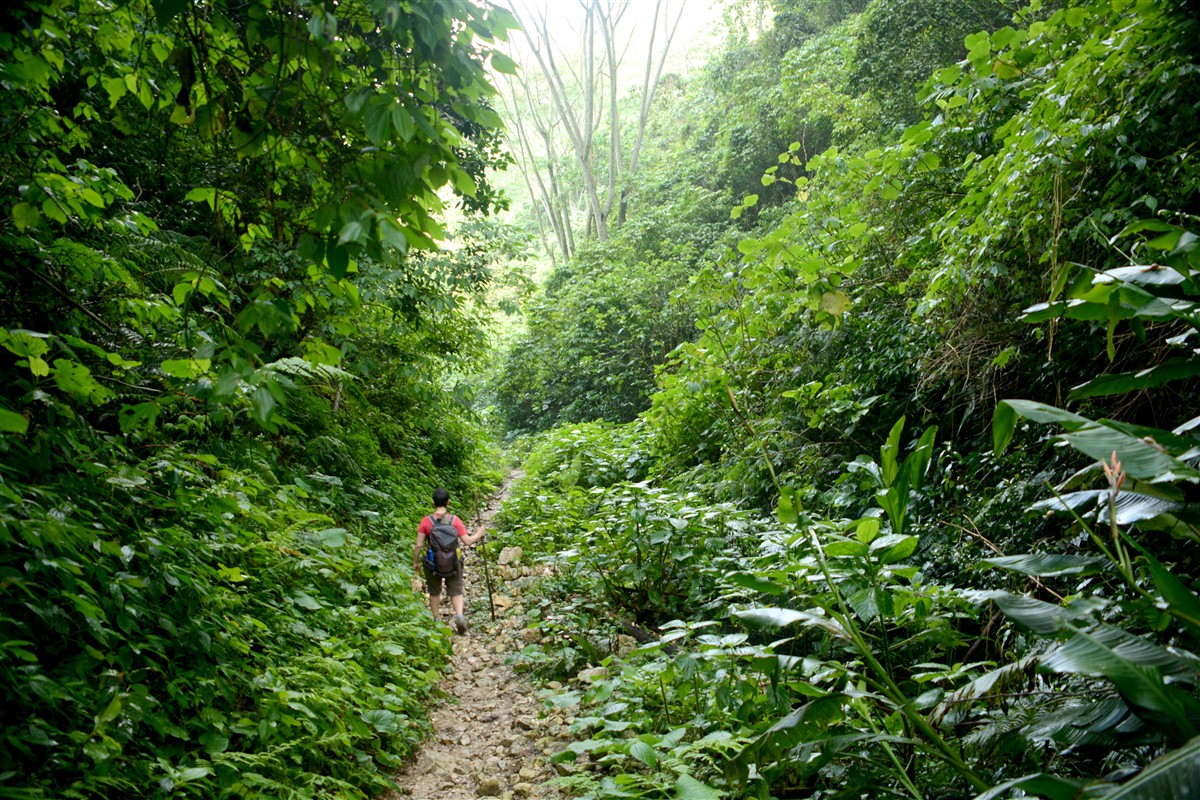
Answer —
(489, 739)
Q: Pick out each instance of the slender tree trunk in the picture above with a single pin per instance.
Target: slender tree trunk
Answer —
(582, 112)
(579, 129)
(649, 89)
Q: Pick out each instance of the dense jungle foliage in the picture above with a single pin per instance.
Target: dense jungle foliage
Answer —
(910, 508)
(870, 418)
(234, 365)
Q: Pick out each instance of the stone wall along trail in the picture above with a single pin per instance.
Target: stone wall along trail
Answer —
(488, 739)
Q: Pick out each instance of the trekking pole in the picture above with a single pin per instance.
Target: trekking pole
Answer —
(487, 575)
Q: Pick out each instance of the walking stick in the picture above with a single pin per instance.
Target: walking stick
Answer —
(487, 575)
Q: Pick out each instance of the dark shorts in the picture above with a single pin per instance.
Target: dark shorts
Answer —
(454, 584)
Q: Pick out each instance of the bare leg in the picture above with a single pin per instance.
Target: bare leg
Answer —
(435, 604)
(457, 601)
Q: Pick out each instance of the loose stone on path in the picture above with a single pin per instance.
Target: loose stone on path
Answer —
(488, 740)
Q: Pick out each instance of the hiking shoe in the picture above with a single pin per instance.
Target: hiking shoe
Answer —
(460, 623)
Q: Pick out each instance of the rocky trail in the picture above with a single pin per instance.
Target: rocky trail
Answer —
(489, 738)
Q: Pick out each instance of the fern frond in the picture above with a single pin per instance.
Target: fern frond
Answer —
(294, 365)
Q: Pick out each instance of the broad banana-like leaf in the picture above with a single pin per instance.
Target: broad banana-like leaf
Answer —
(1038, 616)
(1138, 669)
(997, 680)
(1093, 723)
(1004, 419)
(1131, 506)
(1120, 383)
(1071, 309)
(1103, 649)
(1038, 785)
(782, 617)
(813, 716)
(1141, 459)
(1174, 775)
(770, 617)
(1147, 275)
(1071, 501)
(1050, 565)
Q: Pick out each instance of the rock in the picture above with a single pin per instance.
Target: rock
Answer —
(510, 555)
(527, 774)
(521, 723)
(443, 762)
(625, 645)
(530, 635)
(516, 749)
(503, 602)
(523, 789)
(489, 787)
(553, 685)
(592, 675)
(563, 769)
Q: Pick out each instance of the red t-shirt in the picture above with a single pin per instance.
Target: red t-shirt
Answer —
(426, 526)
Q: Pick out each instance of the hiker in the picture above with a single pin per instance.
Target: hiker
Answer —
(441, 563)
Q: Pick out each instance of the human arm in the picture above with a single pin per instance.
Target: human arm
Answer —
(479, 533)
(419, 546)
(417, 550)
(468, 538)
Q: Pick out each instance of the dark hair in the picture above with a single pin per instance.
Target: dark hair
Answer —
(440, 497)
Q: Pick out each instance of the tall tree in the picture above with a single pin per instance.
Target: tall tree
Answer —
(585, 100)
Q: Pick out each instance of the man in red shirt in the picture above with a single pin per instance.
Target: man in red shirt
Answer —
(454, 583)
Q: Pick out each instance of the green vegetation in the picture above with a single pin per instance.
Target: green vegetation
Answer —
(233, 370)
(857, 406)
(816, 525)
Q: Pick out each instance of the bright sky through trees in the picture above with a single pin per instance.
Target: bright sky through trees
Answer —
(699, 27)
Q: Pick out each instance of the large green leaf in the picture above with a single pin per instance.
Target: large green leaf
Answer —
(1174, 775)
(771, 617)
(810, 721)
(917, 462)
(1039, 616)
(1131, 507)
(1041, 784)
(12, 422)
(643, 752)
(1138, 669)
(1071, 309)
(1107, 649)
(1147, 275)
(1004, 419)
(1181, 602)
(1049, 565)
(1141, 459)
(749, 580)
(688, 788)
(1105, 385)
(1093, 721)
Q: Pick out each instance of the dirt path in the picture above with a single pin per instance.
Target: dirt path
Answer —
(489, 740)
